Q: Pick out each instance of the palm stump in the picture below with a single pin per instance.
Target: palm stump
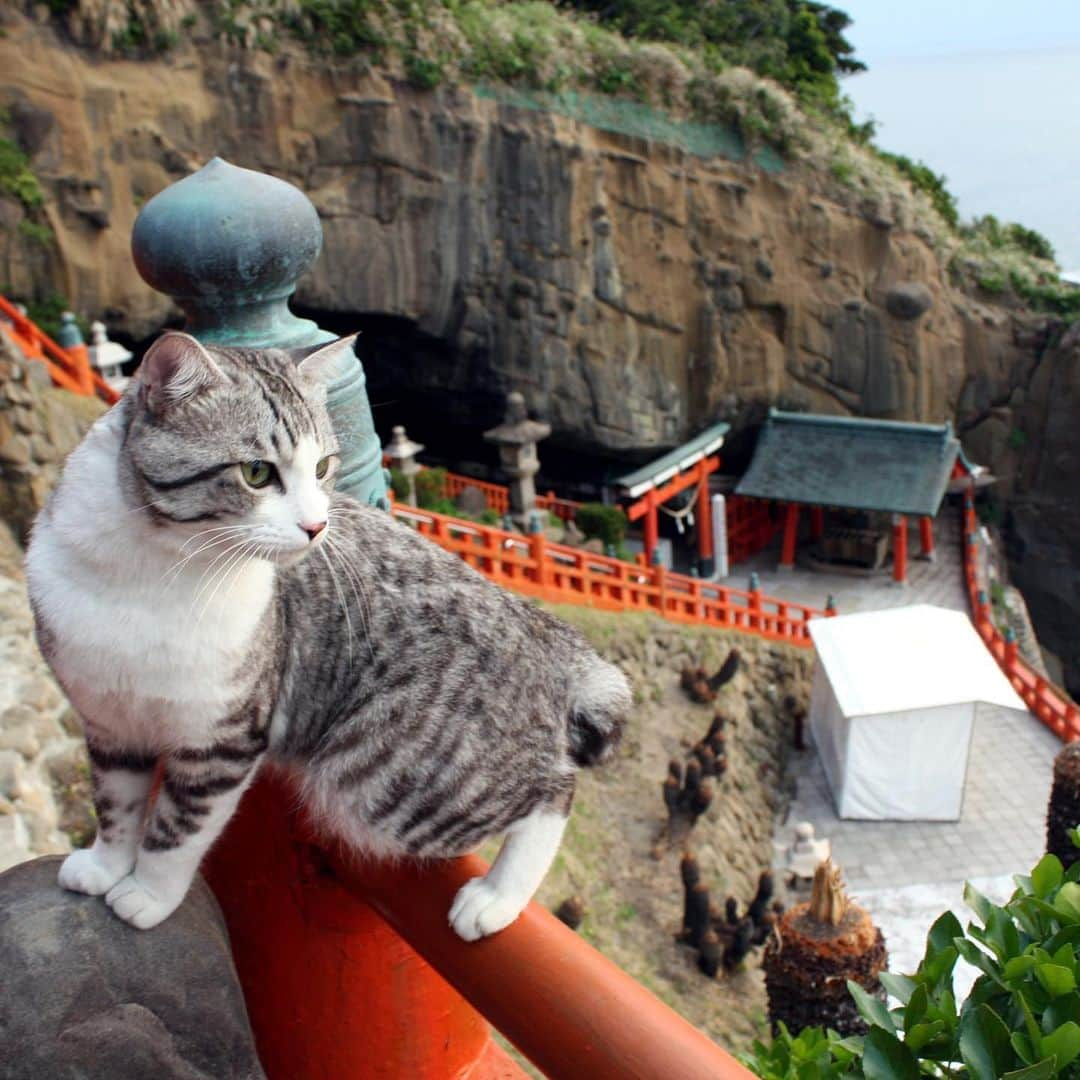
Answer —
(816, 947)
(1063, 814)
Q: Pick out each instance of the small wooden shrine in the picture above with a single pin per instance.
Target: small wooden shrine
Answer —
(850, 473)
(683, 469)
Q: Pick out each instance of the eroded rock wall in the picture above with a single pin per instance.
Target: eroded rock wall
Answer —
(632, 290)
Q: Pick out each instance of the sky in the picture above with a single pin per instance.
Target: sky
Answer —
(986, 92)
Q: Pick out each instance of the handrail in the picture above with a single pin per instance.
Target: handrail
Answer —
(568, 1008)
(66, 371)
(346, 989)
(563, 575)
(1048, 702)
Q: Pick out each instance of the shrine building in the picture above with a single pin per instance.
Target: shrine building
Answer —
(860, 479)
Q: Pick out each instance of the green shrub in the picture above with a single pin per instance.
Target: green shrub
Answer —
(399, 485)
(16, 177)
(602, 522)
(1031, 241)
(36, 233)
(991, 282)
(1020, 1021)
(923, 178)
(431, 489)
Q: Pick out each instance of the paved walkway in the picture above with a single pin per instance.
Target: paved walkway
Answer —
(1002, 826)
(940, 582)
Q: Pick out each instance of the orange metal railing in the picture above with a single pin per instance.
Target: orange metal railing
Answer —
(1049, 703)
(564, 575)
(68, 368)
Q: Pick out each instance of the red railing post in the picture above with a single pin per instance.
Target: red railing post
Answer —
(538, 552)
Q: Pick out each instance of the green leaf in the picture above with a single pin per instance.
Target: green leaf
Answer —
(922, 1035)
(1018, 966)
(984, 1043)
(1022, 1045)
(871, 1009)
(1067, 901)
(945, 929)
(1063, 1044)
(977, 958)
(939, 967)
(1047, 875)
(1044, 1070)
(885, 1057)
(1001, 934)
(916, 1008)
(900, 986)
(1060, 1011)
(1056, 980)
(976, 901)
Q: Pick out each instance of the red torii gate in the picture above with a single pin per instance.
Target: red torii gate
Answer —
(687, 467)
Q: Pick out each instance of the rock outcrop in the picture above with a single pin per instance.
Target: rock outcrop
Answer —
(631, 290)
(85, 995)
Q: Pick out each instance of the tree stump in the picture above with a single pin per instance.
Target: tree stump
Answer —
(1063, 813)
(816, 947)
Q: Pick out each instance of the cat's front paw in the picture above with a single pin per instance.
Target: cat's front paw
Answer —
(480, 909)
(86, 872)
(133, 902)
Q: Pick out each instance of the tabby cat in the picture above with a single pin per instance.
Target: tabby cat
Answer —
(208, 602)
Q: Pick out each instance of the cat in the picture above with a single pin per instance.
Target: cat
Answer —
(208, 602)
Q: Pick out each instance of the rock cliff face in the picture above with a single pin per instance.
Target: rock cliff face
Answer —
(633, 291)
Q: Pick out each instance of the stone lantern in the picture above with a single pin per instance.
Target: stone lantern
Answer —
(402, 451)
(107, 357)
(516, 438)
(228, 245)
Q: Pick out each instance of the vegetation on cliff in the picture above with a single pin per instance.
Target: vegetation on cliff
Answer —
(769, 69)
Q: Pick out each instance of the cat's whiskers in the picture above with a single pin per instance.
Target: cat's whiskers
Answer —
(238, 563)
(355, 580)
(231, 533)
(220, 562)
(341, 598)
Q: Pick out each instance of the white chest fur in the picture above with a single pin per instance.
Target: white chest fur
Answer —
(146, 649)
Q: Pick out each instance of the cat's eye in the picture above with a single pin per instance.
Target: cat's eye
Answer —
(322, 468)
(257, 473)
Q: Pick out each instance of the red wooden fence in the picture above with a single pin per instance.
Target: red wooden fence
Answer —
(1049, 703)
(563, 575)
(68, 369)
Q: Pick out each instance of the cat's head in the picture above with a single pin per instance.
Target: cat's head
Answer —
(234, 444)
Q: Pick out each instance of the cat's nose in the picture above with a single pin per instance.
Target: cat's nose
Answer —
(314, 528)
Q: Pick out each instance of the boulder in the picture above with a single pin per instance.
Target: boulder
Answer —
(909, 300)
(85, 995)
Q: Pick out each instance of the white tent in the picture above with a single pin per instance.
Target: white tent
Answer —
(894, 702)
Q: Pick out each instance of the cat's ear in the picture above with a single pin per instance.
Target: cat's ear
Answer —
(175, 368)
(319, 362)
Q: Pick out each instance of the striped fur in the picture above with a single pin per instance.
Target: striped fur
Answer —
(199, 620)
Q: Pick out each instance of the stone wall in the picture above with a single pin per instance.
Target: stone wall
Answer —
(44, 777)
(39, 427)
(44, 773)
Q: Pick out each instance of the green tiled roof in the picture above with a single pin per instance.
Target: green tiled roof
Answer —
(855, 463)
(675, 461)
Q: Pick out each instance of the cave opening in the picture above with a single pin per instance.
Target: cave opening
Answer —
(446, 400)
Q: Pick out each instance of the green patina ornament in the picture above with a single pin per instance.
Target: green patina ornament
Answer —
(69, 333)
(228, 245)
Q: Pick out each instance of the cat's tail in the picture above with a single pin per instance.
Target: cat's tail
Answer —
(598, 710)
